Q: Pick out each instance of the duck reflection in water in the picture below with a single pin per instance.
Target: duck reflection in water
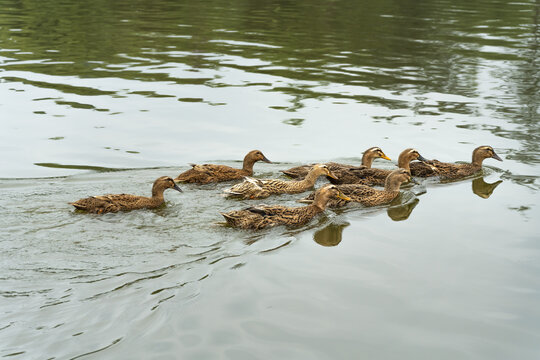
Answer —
(330, 235)
(399, 210)
(483, 189)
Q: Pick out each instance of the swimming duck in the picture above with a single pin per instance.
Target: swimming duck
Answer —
(369, 155)
(374, 176)
(252, 188)
(369, 196)
(454, 171)
(125, 202)
(262, 216)
(208, 173)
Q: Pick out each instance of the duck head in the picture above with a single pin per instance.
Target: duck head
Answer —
(410, 155)
(320, 170)
(256, 155)
(407, 156)
(327, 192)
(371, 154)
(163, 183)
(484, 152)
(396, 178)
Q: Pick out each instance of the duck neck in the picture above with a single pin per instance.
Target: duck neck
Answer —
(367, 159)
(248, 165)
(319, 203)
(477, 159)
(157, 195)
(310, 179)
(403, 162)
(391, 185)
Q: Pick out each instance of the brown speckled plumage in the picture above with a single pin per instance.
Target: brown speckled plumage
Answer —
(208, 173)
(369, 155)
(454, 171)
(125, 202)
(373, 176)
(262, 216)
(257, 189)
(369, 196)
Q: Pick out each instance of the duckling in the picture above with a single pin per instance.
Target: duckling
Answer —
(369, 196)
(257, 189)
(374, 176)
(262, 216)
(370, 154)
(125, 202)
(208, 173)
(454, 171)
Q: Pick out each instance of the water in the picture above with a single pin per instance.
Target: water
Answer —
(104, 97)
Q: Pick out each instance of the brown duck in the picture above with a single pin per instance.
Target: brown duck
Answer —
(125, 202)
(252, 188)
(369, 196)
(262, 216)
(369, 155)
(208, 173)
(374, 176)
(454, 171)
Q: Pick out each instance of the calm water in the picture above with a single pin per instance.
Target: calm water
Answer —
(103, 97)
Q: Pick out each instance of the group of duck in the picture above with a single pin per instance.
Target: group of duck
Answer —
(348, 183)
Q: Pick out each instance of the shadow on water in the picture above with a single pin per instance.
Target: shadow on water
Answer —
(483, 189)
(79, 167)
(330, 235)
(402, 211)
(90, 167)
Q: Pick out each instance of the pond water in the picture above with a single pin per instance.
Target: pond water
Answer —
(105, 96)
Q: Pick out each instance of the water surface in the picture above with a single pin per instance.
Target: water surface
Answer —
(104, 97)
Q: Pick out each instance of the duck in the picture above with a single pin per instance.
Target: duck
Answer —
(454, 171)
(264, 216)
(373, 176)
(209, 173)
(252, 188)
(369, 196)
(125, 202)
(369, 155)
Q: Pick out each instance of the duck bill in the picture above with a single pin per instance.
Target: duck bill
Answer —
(340, 195)
(328, 173)
(177, 188)
(496, 157)
(383, 156)
(422, 159)
(266, 160)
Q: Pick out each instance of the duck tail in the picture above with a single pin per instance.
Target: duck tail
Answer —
(230, 219)
(226, 216)
(231, 192)
(77, 206)
(289, 173)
